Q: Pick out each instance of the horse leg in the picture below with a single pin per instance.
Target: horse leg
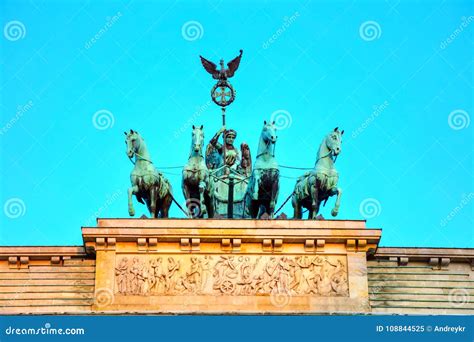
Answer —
(209, 205)
(131, 191)
(187, 197)
(296, 208)
(314, 200)
(256, 185)
(202, 188)
(254, 207)
(335, 210)
(165, 206)
(152, 207)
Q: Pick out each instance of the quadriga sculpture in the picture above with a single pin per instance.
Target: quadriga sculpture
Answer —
(148, 185)
(195, 183)
(319, 184)
(263, 187)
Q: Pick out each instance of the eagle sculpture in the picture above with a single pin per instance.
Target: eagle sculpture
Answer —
(222, 74)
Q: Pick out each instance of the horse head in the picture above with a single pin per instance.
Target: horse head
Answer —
(333, 141)
(269, 133)
(197, 139)
(133, 140)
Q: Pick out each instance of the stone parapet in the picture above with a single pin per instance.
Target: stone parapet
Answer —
(231, 266)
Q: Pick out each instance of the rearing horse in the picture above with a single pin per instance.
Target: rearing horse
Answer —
(195, 183)
(318, 185)
(148, 184)
(263, 187)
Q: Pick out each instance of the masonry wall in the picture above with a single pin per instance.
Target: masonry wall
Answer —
(40, 286)
(63, 279)
(420, 288)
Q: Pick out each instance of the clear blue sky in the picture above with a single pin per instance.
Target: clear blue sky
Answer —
(389, 73)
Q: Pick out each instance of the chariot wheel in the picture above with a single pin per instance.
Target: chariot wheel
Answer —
(227, 287)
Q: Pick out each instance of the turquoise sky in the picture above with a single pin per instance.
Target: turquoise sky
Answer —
(395, 75)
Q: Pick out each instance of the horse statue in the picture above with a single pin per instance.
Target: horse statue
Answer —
(195, 183)
(262, 191)
(148, 184)
(321, 183)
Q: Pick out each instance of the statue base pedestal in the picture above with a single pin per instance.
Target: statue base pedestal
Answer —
(183, 266)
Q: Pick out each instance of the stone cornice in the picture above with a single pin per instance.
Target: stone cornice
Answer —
(311, 236)
(233, 223)
(21, 256)
(436, 257)
(41, 252)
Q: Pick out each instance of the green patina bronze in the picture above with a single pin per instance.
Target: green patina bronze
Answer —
(236, 169)
(262, 191)
(196, 185)
(224, 183)
(148, 184)
(319, 184)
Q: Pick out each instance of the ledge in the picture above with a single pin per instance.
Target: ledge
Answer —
(437, 258)
(41, 252)
(229, 223)
(213, 234)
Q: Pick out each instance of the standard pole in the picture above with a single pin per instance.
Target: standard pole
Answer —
(230, 199)
(225, 133)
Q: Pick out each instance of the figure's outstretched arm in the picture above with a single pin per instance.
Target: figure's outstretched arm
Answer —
(214, 141)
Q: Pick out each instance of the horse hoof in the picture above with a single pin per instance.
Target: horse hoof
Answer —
(131, 212)
(334, 212)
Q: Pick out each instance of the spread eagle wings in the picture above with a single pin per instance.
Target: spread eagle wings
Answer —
(211, 67)
(233, 65)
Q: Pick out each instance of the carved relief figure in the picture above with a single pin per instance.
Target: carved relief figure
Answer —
(231, 275)
(134, 271)
(172, 274)
(193, 279)
(121, 275)
(224, 271)
(159, 276)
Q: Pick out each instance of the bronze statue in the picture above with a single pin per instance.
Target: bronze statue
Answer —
(148, 184)
(239, 161)
(319, 184)
(232, 156)
(195, 184)
(262, 191)
(223, 94)
(222, 74)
